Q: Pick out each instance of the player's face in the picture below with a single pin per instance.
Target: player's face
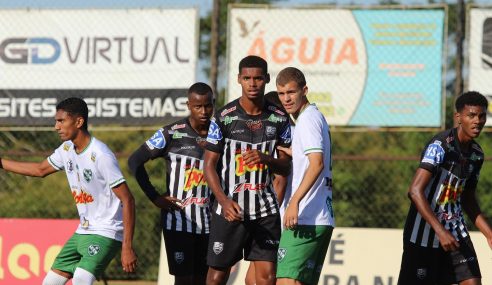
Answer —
(471, 121)
(67, 126)
(292, 97)
(253, 82)
(201, 108)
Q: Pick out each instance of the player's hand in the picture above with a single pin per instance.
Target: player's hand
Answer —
(231, 210)
(291, 215)
(287, 150)
(168, 203)
(447, 240)
(128, 259)
(254, 156)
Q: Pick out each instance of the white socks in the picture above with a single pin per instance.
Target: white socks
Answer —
(54, 279)
(83, 277)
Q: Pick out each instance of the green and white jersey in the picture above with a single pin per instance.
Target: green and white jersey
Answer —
(92, 174)
(312, 134)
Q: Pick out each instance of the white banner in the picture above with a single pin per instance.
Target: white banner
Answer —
(90, 49)
(363, 67)
(480, 53)
(357, 256)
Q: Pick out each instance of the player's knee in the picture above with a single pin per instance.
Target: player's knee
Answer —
(83, 277)
(52, 278)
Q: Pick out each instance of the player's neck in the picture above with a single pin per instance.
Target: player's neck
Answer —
(463, 140)
(252, 107)
(81, 141)
(199, 128)
(296, 114)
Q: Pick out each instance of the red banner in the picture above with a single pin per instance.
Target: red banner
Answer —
(28, 248)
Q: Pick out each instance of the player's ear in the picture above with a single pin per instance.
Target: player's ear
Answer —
(457, 115)
(79, 122)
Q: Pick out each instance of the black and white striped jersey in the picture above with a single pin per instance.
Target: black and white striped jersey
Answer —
(232, 131)
(453, 172)
(182, 148)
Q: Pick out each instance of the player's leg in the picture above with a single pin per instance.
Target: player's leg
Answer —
(180, 256)
(262, 247)
(225, 248)
(65, 263)
(301, 254)
(97, 252)
(464, 264)
(200, 267)
(419, 265)
(250, 278)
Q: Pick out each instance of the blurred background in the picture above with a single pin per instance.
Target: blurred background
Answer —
(384, 73)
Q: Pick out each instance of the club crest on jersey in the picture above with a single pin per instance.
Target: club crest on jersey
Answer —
(286, 135)
(93, 249)
(87, 175)
(281, 253)
(214, 133)
(156, 141)
(421, 273)
(179, 257)
(434, 154)
(218, 247)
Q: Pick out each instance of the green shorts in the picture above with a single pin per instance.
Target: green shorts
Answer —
(302, 252)
(90, 252)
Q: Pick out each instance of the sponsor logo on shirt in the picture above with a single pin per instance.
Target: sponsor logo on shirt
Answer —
(214, 133)
(276, 110)
(434, 154)
(228, 119)
(449, 192)
(443, 216)
(82, 198)
(193, 178)
(156, 141)
(240, 187)
(199, 201)
(242, 168)
(69, 165)
(227, 111)
(254, 125)
(66, 146)
(176, 127)
(93, 157)
(178, 135)
(286, 135)
(276, 119)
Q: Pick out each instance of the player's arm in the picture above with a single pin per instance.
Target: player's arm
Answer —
(313, 170)
(472, 209)
(231, 209)
(36, 169)
(128, 256)
(136, 164)
(279, 185)
(417, 196)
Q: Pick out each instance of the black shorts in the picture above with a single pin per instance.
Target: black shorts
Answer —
(186, 253)
(258, 238)
(422, 266)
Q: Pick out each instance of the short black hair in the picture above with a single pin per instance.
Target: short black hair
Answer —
(75, 107)
(200, 88)
(253, 61)
(471, 98)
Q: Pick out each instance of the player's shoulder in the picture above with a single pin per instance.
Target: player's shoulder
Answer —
(66, 146)
(311, 115)
(228, 108)
(98, 147)
(177, 125)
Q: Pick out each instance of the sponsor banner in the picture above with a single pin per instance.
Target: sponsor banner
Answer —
(124, 107)
(480, 54)
(376, 68)
(362, 256)
(90, 49)
(28, 248)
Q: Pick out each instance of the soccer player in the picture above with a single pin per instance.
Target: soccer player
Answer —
(239, 165)
(105, 205)
(308, 218)
(185, 204)
(436, 244)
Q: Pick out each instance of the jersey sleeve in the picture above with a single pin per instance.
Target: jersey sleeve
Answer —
(433, 156)
(285, 134)
(312, 136)
(108, 166)
(56, 158)
(215, 139)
